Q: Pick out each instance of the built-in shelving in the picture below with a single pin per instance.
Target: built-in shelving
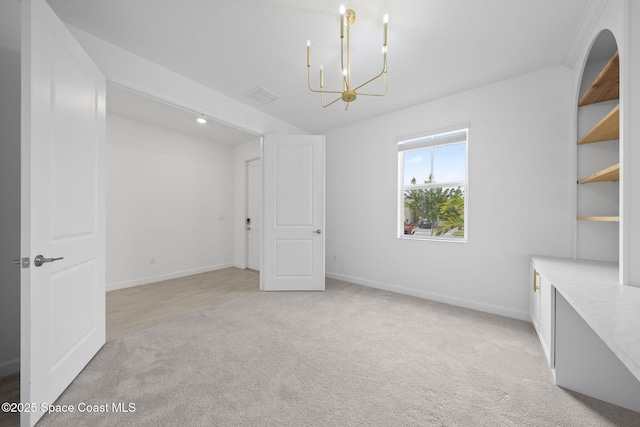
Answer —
(599, 218)
(606, 129)
(606, 86)
(610, 174)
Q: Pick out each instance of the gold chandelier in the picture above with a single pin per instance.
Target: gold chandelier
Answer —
(348, 92)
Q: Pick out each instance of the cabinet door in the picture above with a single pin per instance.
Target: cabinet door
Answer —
(534, 298)
(547, 317)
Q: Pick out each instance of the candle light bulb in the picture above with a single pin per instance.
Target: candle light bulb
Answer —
(385, 20)
(342, 9)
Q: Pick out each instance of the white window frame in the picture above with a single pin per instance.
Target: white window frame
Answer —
(433, 139)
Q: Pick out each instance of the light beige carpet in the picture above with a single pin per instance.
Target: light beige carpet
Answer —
(9, 392)
(351, 356)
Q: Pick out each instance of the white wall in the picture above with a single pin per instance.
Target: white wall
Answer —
(250, 150)
(9, 211)
(168, 196)
(129, 70)
(521, 185)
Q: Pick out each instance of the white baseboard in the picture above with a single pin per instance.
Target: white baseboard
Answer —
(486, 308)
(9, 367)
(175, 275)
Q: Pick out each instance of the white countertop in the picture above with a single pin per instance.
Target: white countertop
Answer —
(610, 309)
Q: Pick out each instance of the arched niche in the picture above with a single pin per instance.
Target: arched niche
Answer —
(598, 153)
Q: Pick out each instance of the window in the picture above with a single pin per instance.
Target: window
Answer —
(433, 186)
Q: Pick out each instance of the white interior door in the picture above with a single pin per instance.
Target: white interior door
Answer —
(63, 119)
(293, 213)
(254, 213)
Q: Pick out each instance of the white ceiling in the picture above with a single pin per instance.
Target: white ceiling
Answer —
(137, 106)
(436, 47)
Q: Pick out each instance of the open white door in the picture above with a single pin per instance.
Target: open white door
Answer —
(293, 220)
(63, 120)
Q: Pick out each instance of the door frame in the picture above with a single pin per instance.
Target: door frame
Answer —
(246, 208)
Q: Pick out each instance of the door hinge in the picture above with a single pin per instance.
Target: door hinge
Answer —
(23, 262)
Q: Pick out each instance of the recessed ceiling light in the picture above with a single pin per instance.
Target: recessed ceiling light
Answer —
(201, 120)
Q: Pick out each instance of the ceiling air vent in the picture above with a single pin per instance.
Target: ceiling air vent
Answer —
(262, 95)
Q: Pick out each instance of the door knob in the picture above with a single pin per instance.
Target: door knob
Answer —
(39, 260)
(318, 231)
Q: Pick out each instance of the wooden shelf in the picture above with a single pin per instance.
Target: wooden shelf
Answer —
(605, 130)
(606, 86)
(610, 174)
(599, 218)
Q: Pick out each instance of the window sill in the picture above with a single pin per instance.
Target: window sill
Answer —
(434, 239)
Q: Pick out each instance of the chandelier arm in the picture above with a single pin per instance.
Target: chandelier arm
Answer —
(368, 81)
(331, 103)
(372, 94)
(384, 71)
(377, 94)
(317, 90)
(326, 91)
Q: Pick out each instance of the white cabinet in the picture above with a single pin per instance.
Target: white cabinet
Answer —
(585, 364)
(588, 326)
(542, 309)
